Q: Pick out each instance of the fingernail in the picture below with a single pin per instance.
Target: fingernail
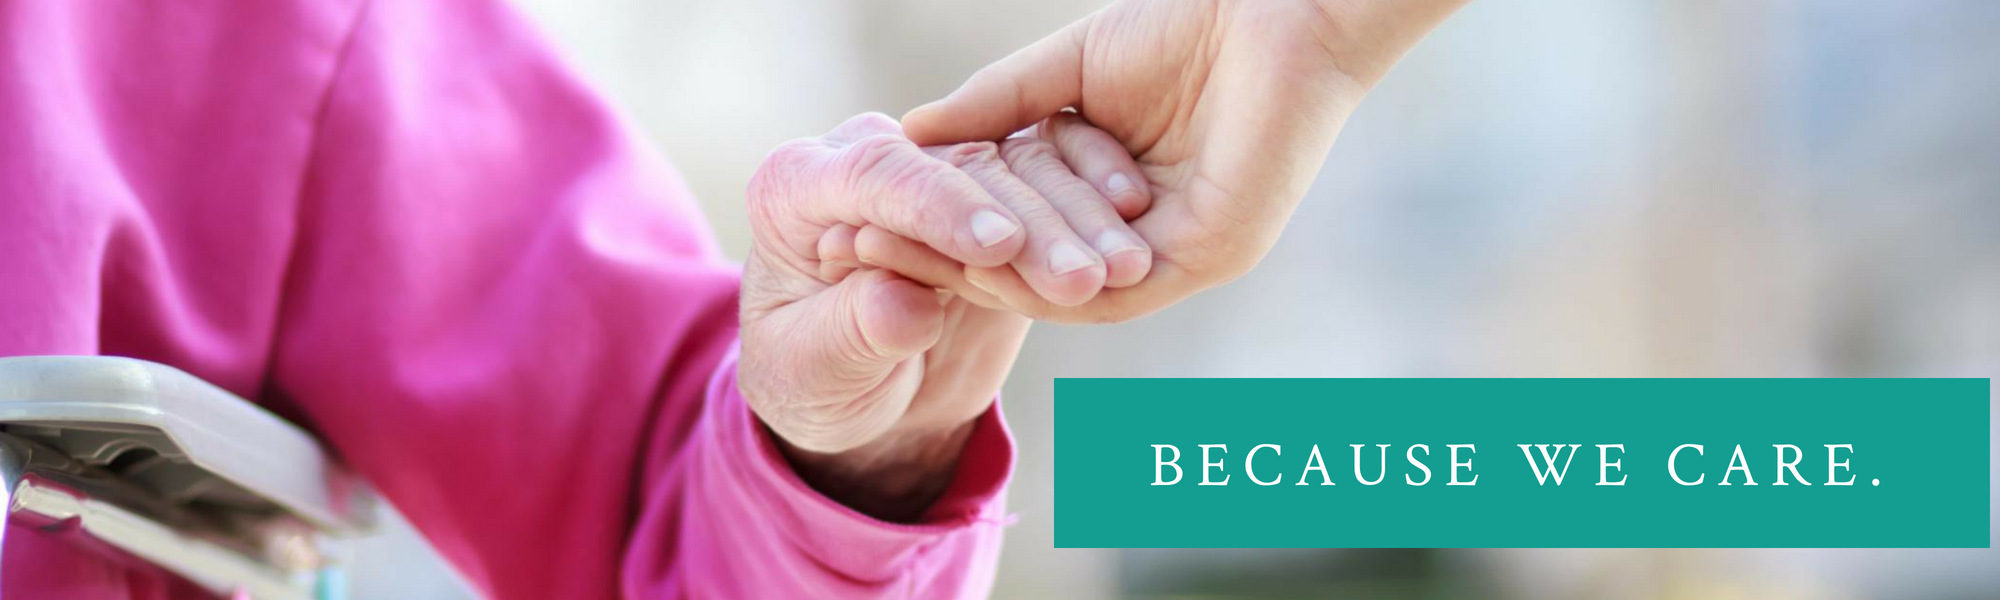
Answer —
(1067, 257)
(1118, 183)
(1113, 242)
(990, 228)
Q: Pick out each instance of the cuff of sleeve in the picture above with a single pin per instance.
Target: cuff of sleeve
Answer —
(974, 498)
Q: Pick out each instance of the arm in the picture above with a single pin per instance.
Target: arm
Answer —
(505, 313)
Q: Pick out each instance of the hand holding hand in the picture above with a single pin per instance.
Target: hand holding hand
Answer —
(869, 380)
(1229, 105)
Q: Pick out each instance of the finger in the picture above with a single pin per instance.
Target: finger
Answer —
(1003, 289)
(1166, 285)
(848, 372)
(1008, 95)
(885, 180)
(876, 247)
(1054, 261)
(893, 318)
(1099, 159)
(836, 253)
(872, 246)
(1015, 295)
(1088, 213)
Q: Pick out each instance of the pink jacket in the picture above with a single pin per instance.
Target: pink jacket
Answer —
(409, 227)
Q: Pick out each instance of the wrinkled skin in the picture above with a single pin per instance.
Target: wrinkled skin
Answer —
(1230, 107)
(889, 285)
(870, 380)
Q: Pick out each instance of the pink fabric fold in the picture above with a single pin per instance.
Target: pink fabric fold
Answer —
(409, 227)
(788, 541)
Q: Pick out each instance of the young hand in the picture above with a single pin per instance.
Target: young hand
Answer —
(1229, 105)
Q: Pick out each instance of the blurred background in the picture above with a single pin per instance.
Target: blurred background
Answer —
(1552, 188)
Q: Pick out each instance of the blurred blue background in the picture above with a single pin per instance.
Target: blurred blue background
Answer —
(1554, 188)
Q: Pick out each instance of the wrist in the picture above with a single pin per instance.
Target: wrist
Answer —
(895, 477)
(1366, 38)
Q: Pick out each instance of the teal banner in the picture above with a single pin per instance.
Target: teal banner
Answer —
(1457, 463)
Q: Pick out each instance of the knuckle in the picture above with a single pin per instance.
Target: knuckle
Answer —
(873, 121)
(866, 124)
(1054, 176)
(879, 149)
(903, 188)
(1040, 216)
(973, 155)
(775, 184)
(792, 153)
(893, 171)
(882, 157)
(1030, 152)
(780, 166)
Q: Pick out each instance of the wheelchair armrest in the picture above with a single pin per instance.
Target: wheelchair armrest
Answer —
(182, 439)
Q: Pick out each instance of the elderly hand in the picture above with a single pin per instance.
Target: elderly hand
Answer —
(1229, 105)
(871, 381)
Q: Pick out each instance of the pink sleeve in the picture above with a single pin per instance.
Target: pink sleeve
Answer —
(507, 313)
(750, 528)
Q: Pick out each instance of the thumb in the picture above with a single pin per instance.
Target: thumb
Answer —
(840, 371)
(878, 318)
(1007, 96)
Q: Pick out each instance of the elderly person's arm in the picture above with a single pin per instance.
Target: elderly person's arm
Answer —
(507, 313)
